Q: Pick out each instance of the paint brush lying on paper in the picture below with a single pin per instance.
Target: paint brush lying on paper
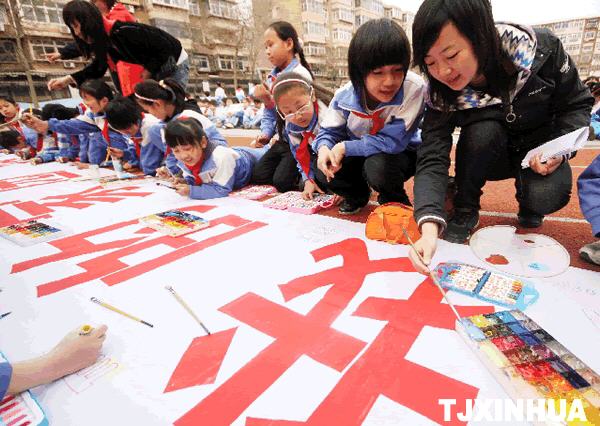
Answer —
(117, 310)
(166, 186)
(187, 308)
(5, 314)
(432, 275)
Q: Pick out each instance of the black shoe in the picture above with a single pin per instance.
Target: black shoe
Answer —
(529, 219)
(348, 207)
(460, 226)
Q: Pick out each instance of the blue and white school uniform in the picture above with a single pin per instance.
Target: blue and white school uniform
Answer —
(300, 140)
(68, 146)
(269, 119)
(101, 136)
(390, 128)
(223, 170)
(49, 148)
(160, 151)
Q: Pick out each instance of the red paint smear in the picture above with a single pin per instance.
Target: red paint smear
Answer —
(497, 259)
(201, 361)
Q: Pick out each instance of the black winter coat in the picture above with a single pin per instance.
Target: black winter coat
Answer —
(552, 102)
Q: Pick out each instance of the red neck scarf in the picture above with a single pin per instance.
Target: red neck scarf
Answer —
(378, 122)
(303, 153)
(195, 169)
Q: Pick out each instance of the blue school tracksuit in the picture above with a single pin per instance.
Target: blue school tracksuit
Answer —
(49, 148)
(300, 140)
(391, 128)
(97, 128)
(155, 154)
(143, 147)
(588, 187)
(269, 119)
(68, 146)
(223, 169)
(595, 122)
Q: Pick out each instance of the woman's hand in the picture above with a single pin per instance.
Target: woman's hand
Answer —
(60, 82)
(546, 168)
(425, 246)
(325, 161)
(31, 121)
(53, 57)
(310, 187)
(338, 152)
(163, 173)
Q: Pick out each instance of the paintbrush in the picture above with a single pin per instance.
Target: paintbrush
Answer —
(187, 308)
(166, 186)
(433, 277)
(117, 310)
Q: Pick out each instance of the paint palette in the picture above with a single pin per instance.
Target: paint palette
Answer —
(486, 285)
(254, 192)
(292, 201)
(175, 222)
(21, 409)
(529, 363)
(31, 232)
(526, 255)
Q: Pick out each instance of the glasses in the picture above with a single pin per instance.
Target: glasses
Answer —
(301, 111)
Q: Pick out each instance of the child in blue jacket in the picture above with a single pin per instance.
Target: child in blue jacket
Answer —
(370, 133)
(209, 170)
(96, 95)
(166, 101)
(588, 187)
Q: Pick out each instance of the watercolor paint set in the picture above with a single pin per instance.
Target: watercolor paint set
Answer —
(174, 222)
(21, 409)
(529, 363)
(31, 232)
(254, 192)
(490, 286)
(292, 201)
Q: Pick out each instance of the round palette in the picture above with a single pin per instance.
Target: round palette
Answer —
(526, 255)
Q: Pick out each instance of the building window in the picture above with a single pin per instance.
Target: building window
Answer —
(314, 28)
(180, 4)
(8, 51)
(222, 8)
(341, 35)
(45, 11)
(372, 5)
(194, 8)
(226, 63)
(314, 49)
(344, 15)
(589, 35)
(200, 62)
(175, 28)
(588, 48)
(41, 47)
(316, 6)
(2, 17)
(361, 19)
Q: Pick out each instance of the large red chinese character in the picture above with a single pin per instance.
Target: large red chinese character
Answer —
(35, 180)
(110, 268)
(78, 200)
(381, 370)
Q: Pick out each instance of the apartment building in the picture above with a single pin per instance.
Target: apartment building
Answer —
(402, 17)
(208, 29)
(581, 39)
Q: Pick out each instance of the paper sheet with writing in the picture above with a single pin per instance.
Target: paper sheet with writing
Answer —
(558, 147)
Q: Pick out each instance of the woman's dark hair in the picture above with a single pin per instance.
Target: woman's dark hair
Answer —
(281, 87)
(122, 112)
(98, 89)
(474, 20)
(58, 111)
(186, 131)
(9, 138)
(285, 30)
(92, 25)
(167, 90)
(109, 3)
(377, 43)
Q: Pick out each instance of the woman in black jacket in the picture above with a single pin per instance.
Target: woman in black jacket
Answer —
(157, 51)
(509, 89)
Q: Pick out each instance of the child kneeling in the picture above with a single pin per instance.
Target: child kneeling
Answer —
(209, 170)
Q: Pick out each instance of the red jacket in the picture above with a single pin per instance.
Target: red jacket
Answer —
(120, 13)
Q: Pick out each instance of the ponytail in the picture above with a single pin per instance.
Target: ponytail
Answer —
(168, 90)
(285, 30)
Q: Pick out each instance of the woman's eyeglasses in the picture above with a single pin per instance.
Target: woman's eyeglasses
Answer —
(301, 111)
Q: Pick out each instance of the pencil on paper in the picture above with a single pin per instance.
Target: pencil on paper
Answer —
(187, 308)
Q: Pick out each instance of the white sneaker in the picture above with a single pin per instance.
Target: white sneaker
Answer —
(591, 252)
